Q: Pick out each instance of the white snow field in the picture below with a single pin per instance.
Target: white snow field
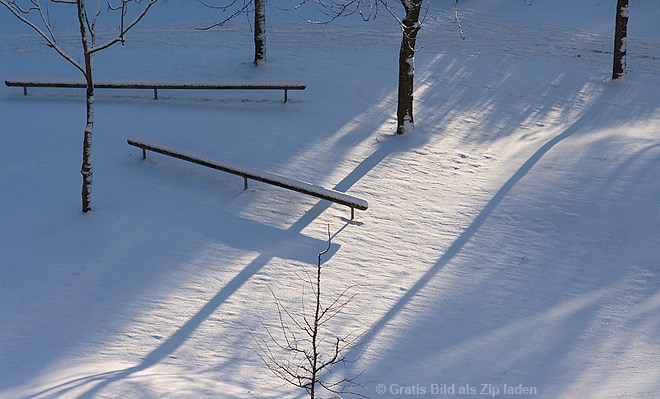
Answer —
(510, 249)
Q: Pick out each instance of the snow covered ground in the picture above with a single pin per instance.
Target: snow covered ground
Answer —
(510, 241)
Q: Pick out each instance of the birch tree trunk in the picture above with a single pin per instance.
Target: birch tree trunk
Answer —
(620, 33)
(410, 26)
(88, 38)
(259, 32)
(87, 168)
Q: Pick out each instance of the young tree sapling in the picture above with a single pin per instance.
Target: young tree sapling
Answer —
(305, 350)
(35, 14)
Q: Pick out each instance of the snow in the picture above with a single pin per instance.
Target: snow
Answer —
(624, 45)
(510, 240)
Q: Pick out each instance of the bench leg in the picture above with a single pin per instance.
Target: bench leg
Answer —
(286, 96)
(144, 153)
(352, 213)
(25, 90)
(245, 186)
(155, 94)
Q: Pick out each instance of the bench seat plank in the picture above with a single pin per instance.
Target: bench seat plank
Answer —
(247, 84)
(254, 174)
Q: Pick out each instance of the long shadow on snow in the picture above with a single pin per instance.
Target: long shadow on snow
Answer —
(576, 311)
(481, 218)
(586, 300)
(102, 380)
(235, 241)
(177, 339)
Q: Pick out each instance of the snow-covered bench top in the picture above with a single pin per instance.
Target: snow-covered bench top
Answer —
(254, 174)
(248, 84)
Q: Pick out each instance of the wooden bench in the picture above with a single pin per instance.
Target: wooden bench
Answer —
(248, 173)
(154, 85)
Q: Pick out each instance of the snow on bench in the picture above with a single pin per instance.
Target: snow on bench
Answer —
(249, 173)
(285, 85)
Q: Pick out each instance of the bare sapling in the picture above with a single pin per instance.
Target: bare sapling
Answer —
(303, 350)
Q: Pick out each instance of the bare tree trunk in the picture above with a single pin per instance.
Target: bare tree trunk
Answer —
(305, 359)
(89, 47)
(411, 26)
(259, 32)
(315, 333)
(87, 169)
(620, 34)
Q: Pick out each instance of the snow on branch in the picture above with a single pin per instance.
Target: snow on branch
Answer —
(457, 20)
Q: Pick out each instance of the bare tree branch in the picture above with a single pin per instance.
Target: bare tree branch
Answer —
(302, 361)
(50, 41)
(123, 31)
(225, 8)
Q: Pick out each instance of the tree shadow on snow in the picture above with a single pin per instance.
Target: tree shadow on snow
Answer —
(465, 344)
(97, 382)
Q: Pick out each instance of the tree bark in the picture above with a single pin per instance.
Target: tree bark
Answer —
(87, 170)
(411, 26)
(620, 34)
(259, 32)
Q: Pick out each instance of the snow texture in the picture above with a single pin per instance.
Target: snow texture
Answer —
(511, 241)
